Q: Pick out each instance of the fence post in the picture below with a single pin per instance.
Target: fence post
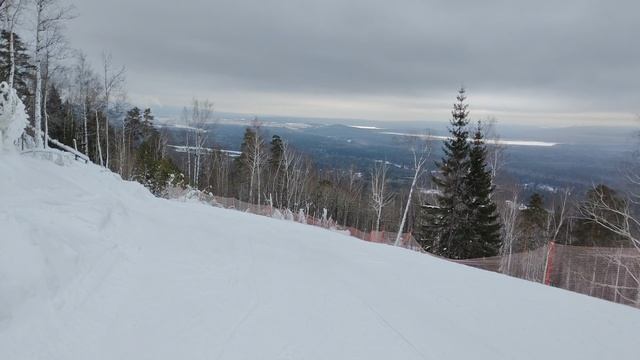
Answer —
(548, 265)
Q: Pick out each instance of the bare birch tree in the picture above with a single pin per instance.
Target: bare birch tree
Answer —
(296, 172)
(54, 51)
(560, 215)
(201, 117)
(380, 195)
(257, 159)
(618, 218)
(49, 14)
(420, 152)
(509, 211)
(496, 150)
(113, 79)
(83, 83)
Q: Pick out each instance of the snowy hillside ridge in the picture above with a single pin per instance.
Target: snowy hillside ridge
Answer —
(93, 267)
(13, 117)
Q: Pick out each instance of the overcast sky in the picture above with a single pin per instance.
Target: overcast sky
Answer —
(568, 61)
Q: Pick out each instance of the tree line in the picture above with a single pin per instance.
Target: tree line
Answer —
(460, 211)
(71, 102)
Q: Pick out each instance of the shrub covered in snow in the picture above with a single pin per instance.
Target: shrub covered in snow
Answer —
(13, 117)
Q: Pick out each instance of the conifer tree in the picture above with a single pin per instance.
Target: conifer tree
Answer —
(446, 228)
(55, 110)
(484, 217)
(276, 152)
(463, 222)
(147, 118)
(242, 164)
(151, 167)
(23, 67)
(532, 224)
(134, 127)
(71, 130)
(276, 170)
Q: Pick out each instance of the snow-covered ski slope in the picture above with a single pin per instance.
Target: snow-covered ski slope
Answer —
(92, 267)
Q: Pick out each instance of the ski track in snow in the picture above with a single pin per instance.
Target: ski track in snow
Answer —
(396, 331)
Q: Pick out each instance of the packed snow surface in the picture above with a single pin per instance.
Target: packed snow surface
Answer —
(92, 267)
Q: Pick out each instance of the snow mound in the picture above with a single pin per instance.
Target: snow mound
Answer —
(92, 267)
(13, 117)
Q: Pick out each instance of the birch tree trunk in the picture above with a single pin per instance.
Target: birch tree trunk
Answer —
(379, 196)
(106, 129)
(13, 10)
(98, 139)
(38, 92)
(123, 150)
(86, 130)
(46, 118)
(12, 59)
(418, 165)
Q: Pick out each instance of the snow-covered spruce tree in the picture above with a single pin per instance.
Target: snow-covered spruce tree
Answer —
(445, 227)
(13, 117)
(484, 216)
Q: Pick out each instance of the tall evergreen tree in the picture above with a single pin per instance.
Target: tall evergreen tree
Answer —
(446, 226)
(463, 222)
(23, 76)
(532, 224)
(276, 152)
(134, 127)
(241, 168)
(151, 168)
(56, 112)
(275, 170)
(147, 118)
(150, 165)
(484, 217)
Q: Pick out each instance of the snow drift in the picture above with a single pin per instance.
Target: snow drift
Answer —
(92, 267)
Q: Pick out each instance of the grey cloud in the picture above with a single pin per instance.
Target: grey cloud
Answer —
(584, 51)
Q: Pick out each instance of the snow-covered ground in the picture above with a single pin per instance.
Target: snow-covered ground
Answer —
(364, 127)
(95, 268)
(488, 141)
(193, 149)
